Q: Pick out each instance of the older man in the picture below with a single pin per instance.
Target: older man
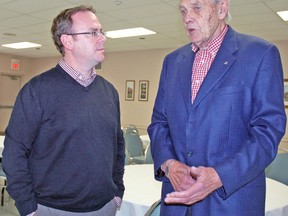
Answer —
(218, 117)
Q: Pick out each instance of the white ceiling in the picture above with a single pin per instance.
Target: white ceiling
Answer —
(30, 20)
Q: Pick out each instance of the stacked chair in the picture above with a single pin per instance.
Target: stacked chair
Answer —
(277, 170)
(148, 155)
(134, 146)
(135, 154)
(132, 129)
(127, 157)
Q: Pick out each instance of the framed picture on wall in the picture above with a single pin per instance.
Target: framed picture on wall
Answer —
(129, 90)
(143, 90)
(286, 93)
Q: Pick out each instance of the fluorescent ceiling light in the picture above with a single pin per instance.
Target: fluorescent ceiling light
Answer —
(21, 45)
(132, 32)
(283, 15)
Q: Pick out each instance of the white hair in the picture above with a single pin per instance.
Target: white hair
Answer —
(228, 16)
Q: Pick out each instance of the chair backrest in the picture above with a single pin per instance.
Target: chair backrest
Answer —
(148, 155)
(154, 210)
(133, 144)
(277, 170)
(127, 157)
(131, 128)
(1, 171)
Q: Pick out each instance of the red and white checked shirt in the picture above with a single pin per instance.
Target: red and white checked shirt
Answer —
(80, 78)
(203, 61)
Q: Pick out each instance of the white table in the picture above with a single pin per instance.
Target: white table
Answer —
(276, 198)
(142, 191)
(145, 140)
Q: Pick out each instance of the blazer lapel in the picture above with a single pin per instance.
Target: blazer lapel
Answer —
(184, 62)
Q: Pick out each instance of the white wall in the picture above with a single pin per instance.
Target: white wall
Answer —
(141, 65)
(5, 61)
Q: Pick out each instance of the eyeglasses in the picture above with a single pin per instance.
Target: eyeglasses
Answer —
(95, 33)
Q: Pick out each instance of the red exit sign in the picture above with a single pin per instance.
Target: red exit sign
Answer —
(15, 64)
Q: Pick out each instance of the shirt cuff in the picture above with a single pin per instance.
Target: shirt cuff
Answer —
(118, 201)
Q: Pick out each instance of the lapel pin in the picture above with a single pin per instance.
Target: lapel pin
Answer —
(226, 62)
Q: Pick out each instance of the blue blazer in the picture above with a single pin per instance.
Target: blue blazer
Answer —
(234, 125)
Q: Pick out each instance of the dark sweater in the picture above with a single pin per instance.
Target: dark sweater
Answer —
(64, 146)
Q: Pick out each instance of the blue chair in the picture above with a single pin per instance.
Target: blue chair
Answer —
(131, 129)
(277, 170)
(148, 155)
(134, 147)
(127, 157)
(154, 210)
(1, 171)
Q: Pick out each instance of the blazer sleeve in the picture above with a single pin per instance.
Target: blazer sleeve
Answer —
(161, 143)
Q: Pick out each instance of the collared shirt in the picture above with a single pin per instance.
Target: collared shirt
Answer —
(80, 78)
(203, 61)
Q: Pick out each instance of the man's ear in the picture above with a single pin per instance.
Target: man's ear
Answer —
(67, 41)
(223, 9)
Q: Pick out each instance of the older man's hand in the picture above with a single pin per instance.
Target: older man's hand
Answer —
(207, 181)
(179, 175)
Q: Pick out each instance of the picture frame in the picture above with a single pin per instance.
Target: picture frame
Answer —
(143, 90)
(286, 93)
(130, 90)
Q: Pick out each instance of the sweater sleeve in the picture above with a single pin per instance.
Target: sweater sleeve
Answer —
(19, 136)
(120, 160)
